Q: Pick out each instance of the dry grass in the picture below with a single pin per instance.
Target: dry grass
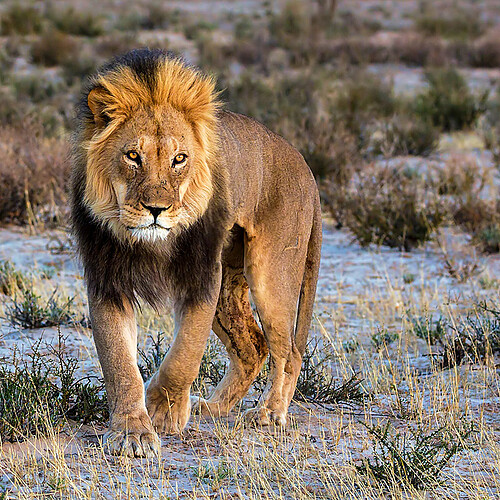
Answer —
(32, 176)
(402, 342)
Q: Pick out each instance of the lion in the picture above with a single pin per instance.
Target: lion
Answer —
(175, 200)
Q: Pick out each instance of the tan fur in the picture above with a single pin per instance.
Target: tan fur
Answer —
(242, 215)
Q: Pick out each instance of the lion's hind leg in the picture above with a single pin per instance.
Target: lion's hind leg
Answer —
(236, 327)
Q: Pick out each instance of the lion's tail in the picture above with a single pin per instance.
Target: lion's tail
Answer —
(309, 281)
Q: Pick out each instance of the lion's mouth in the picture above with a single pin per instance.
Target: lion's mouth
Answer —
(151, 232)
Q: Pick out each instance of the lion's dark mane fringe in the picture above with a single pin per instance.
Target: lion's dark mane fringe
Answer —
(185, 268)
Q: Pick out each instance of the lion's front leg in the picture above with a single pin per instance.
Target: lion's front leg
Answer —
(130, 430)
(167, 394)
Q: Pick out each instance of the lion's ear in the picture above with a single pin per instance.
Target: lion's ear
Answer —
(96, 100)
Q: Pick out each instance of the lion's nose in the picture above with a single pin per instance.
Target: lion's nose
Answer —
(155, 211)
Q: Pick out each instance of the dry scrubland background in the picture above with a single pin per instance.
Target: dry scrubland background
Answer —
(396, 107)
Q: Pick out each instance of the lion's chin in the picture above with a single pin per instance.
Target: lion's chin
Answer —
(150, 233)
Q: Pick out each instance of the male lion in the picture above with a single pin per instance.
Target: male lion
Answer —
(173, 198)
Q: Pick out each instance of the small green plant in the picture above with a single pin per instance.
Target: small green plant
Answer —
(488, 283)
(476, 338)
(29, 311)
(409, 278)
(316, 383)
(415, 459)
(488, 238)
(38, 393)
(447, 102)
(382, 338)
(350, 345)
(214, 475)
(151, 360)
(429, 329)
(212, 369)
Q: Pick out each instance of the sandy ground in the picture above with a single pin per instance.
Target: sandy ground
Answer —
(359, 292)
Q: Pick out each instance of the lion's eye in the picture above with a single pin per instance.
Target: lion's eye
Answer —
(179, 160)
(133, 155)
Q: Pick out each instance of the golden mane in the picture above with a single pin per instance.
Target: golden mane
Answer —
(120, 92)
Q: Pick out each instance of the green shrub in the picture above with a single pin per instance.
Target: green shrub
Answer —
(291, 25)
(476, 338)
(360, 99)
(29, 311)
(488, 238)
(389, 206)
(481, 219)
(196, 30)
(412, 459)
(382, 338)
(53, 48)
(404, 135)
(36, 89)
(316, 383)
(21, 20)
(36, 395)
(74, 22)
(429, 329)
(490, 127)
(447, 102)
(458, 23)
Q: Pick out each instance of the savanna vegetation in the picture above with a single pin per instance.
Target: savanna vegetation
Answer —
(395, 105)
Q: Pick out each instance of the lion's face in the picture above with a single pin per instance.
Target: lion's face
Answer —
(152, 159)
(148, 150)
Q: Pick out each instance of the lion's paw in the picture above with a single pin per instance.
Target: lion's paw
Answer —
(207, 408)
(132, 438)
(169, 416)
(263, 416)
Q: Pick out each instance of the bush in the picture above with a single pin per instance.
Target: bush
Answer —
(291, 25)
(29, 311)
(53, 48)
(21, 20)
(36, 89)
(73, 22)
(476, 338)
(197, 30)
(489, 128)
(481, 219)
(414, 459)
(429, 329)
(316, 383)
(459, 23)
(33, 172)
(389, 206)
(402, 135)
(448, 102)
(35, 396)
(487, 52)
